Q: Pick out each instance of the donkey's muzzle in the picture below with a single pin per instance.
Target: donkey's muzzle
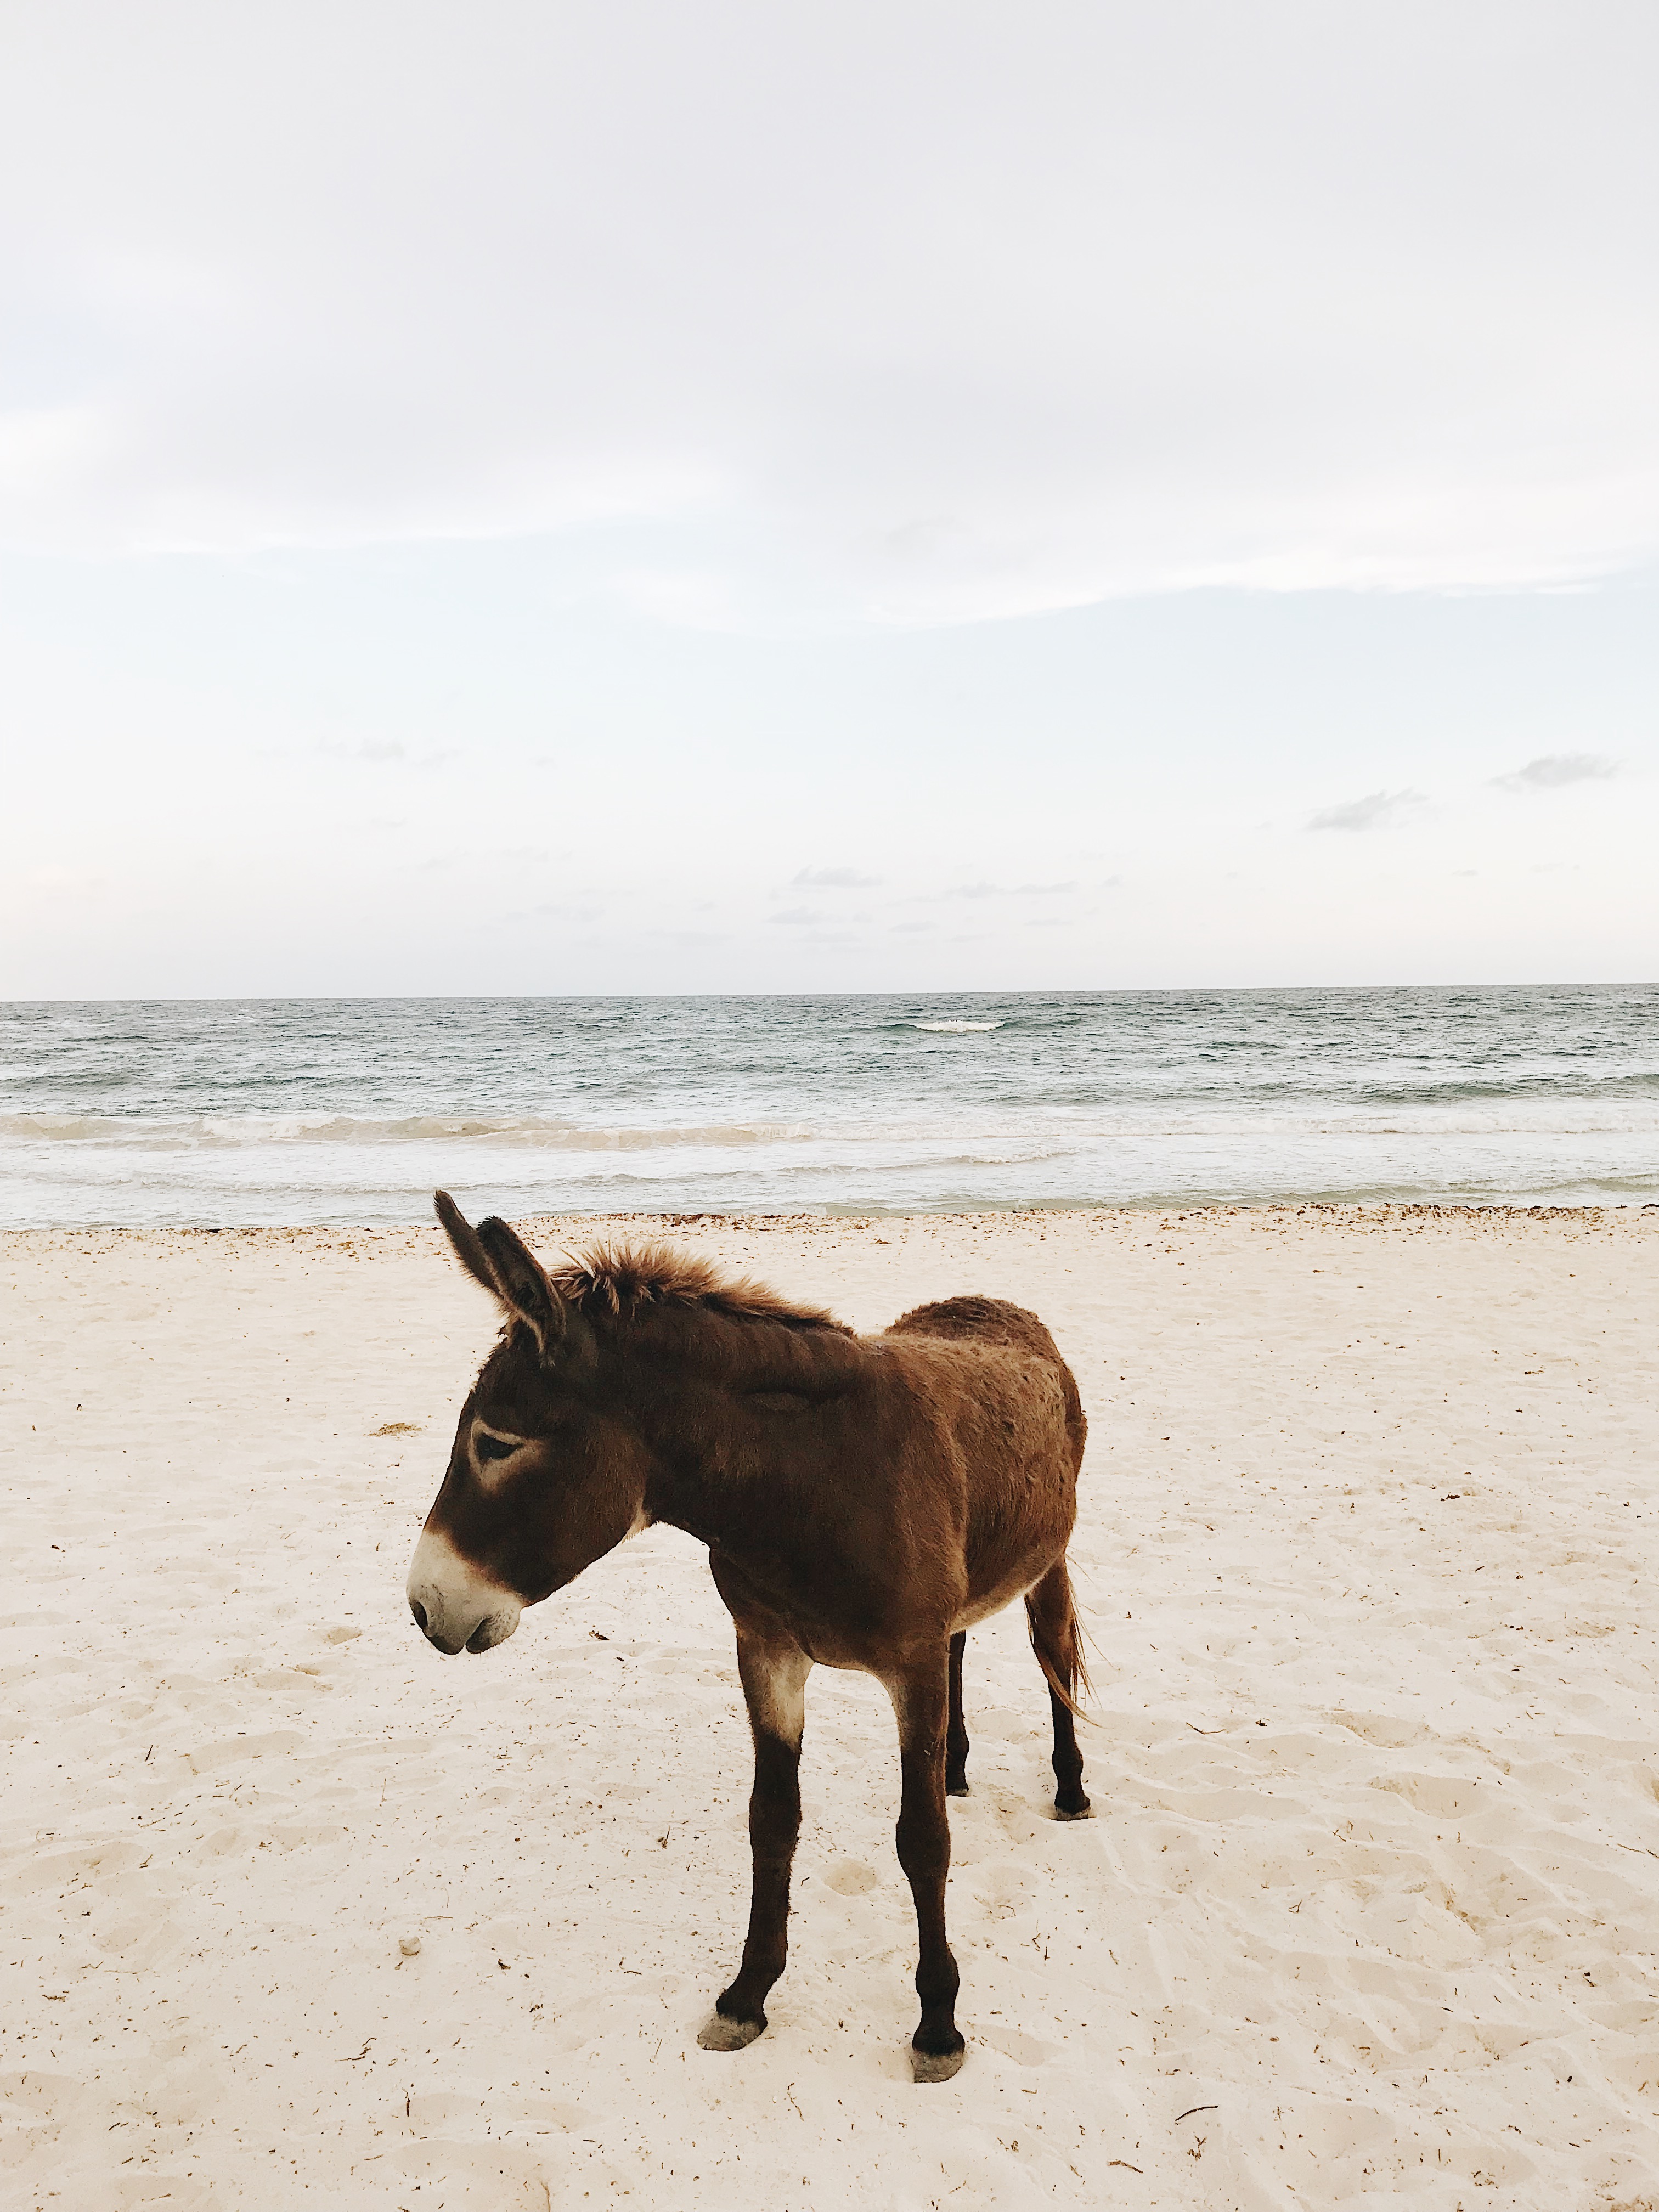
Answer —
(455, 1606)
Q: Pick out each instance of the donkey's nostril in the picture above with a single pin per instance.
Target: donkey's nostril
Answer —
(419, 1612)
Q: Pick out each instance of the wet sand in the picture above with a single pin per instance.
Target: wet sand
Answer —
(1368, 1915)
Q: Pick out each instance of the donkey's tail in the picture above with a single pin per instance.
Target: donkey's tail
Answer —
(1057, 1638)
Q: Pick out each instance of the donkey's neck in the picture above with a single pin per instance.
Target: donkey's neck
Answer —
(723, 1406)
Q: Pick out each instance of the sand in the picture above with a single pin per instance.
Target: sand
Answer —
(1367, 1916)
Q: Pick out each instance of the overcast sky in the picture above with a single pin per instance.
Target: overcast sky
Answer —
(642, 497)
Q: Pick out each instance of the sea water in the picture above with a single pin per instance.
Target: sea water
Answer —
(222, 1112)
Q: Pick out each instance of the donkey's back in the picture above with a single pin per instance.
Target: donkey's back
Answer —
(994, 1322)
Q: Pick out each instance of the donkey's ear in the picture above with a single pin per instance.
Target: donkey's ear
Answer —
(465, 1238)
(522, 1281)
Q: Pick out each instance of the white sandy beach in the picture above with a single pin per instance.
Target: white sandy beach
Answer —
(1368, 1916)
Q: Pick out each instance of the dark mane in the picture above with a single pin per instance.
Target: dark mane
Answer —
(616, 1279)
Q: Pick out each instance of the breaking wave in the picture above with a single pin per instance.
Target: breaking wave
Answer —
(200, 1132)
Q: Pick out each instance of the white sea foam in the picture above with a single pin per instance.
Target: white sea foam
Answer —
(955, 1029)
(194, 1132)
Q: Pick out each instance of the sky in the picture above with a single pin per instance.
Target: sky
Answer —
(626, 498)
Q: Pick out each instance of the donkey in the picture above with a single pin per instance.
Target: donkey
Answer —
(865, 1500)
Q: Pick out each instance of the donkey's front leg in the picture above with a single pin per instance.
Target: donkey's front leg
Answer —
(921, 1701)
(774, 1672)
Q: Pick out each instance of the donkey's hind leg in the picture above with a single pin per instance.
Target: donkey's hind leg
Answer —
(956, 1734)
(1071, 1802)
(1058, 1643)
(774, 1671)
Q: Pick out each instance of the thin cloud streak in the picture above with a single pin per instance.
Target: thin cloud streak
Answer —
(1377, 810)
(1554, 771)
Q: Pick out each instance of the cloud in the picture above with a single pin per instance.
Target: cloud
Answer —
(983, 890)
(835, 879)
(553, 911)
(382, 753)
(1550, 771)
(801, 915)
(378, 751)
(482, 273)
(1377, 810)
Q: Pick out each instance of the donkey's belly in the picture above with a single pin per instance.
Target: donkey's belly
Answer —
(981, 1606)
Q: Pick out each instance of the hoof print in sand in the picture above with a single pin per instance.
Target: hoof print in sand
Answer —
(850, 1878)
(719, 2033)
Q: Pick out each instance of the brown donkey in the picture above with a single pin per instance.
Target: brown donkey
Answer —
(865, 1500)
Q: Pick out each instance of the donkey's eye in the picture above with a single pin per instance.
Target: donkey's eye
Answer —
(492, 1446)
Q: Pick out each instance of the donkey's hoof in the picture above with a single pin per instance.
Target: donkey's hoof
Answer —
(720, 2034)
(936, 2065)
(1078, 1810)
(957, 1789)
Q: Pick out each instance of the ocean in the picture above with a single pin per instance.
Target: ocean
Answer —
(240, 1111)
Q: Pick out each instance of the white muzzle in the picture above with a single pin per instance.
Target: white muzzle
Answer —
(455, 1606)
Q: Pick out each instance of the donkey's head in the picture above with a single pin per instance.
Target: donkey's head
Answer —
(542, 1481)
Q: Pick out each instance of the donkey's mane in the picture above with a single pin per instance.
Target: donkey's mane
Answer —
(615, 1280)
